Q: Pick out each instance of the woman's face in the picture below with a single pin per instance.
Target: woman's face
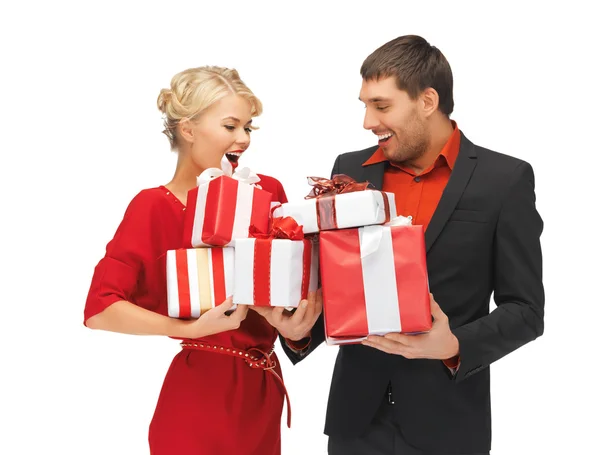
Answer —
(222, 129)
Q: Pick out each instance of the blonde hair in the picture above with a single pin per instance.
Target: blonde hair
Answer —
(195, 90)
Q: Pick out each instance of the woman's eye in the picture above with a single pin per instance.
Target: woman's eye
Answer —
(248, 130)
(230, 128)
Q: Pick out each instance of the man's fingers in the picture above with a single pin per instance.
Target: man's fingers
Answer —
(262, 310)
(240, 312)
(436, 311)
(310, 307)
(300, 312)
(319, 301)
(387, 345)
(406, 340)
(277, 315)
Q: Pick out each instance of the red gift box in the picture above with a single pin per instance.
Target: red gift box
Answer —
(374, 281)
(222, 210)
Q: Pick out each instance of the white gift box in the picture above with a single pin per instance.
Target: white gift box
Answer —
(347, 210)
(274, 272)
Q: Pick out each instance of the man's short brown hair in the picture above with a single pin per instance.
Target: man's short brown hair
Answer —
(416, 65)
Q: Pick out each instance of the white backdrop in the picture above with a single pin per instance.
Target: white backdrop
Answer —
(81, 136)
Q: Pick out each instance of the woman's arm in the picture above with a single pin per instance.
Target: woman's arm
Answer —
(125, 317)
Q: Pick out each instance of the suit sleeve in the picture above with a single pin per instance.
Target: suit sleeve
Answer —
(303, 348)
(518, 288)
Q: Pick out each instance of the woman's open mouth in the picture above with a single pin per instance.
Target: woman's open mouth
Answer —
(233, 157)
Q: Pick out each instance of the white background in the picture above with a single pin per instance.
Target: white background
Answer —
(81, 136)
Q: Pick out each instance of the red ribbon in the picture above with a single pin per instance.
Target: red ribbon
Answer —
(339, 184)
(324, 191)
(285, 228)
(218, 275)
(281, 228)
(183, 284)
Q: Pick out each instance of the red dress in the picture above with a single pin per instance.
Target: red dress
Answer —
(210, 403)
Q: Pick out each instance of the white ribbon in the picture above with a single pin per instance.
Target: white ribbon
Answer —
(208, 175)
(244, 175)
(371, 235)
(400, 221)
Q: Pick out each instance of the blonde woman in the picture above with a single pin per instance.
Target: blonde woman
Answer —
(215, 399)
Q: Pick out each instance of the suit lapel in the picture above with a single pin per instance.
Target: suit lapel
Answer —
(461, 174)
(374, 174)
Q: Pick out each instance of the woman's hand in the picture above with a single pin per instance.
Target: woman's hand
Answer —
(215, 320)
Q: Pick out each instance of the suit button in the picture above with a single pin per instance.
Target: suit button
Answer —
(417, 179)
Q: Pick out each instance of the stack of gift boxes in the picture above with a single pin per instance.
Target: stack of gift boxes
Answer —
(235, 248)
(370, 263)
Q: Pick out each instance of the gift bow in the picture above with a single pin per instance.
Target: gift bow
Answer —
(243, 175)
(281, 228)
(338, 184)
(371, 235)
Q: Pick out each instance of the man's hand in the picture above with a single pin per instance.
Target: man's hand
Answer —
(297, 325)
(439, 343)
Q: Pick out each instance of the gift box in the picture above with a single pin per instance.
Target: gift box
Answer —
(222, 208)
(374, 281)
(278, 269)
(198, 279)
(339, 203)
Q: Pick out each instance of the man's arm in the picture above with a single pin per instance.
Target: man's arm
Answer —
(298, 350)
(518, 287)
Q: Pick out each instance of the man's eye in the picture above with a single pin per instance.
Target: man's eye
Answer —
(381, 108)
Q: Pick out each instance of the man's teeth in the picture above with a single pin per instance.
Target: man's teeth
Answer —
(383, 137)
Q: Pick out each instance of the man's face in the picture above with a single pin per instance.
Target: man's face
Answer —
(395, 119)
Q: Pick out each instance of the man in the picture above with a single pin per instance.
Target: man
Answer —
(430, 393)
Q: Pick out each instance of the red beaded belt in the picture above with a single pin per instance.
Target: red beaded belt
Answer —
(260, 360)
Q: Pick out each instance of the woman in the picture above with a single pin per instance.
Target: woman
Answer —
(214, 400)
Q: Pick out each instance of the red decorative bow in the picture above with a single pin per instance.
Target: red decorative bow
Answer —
(339, 184)
(281, 228)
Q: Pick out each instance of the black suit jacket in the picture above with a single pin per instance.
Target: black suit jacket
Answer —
(483, 238)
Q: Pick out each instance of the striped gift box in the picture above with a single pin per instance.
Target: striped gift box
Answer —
(198, 279)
